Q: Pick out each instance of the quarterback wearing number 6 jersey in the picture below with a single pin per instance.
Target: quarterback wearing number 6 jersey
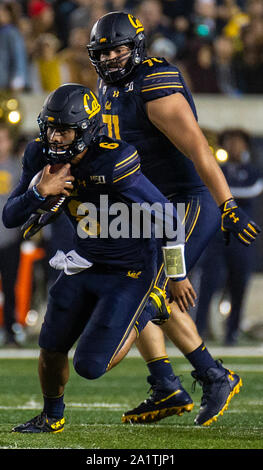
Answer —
(99, 298)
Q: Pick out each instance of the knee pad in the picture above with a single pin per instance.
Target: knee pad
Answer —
(88, 368)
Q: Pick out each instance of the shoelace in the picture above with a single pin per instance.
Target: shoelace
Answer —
(206, 390)
(205, 384)
(153, 388)
(40, 420)
(206, 394)
(199, 380)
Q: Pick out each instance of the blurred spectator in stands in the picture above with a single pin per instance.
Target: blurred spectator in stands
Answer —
(42, 16)
(10, 169)
(47, 69)
(80, 16)
(13, 55)
(62, 11)
(231, 25)
(210, 55)
(175, 21)
(163, 47)
(23, 5)
(254, 9)
(76, 59)
(223, 52)
(87, 13)
(99, 8)
(179, 13)
(150, 13)
(248, 62)
(225, 35)
(178, 8)
(120, 5)
(235, 262)
(204, 18)
(26, 29)
(20, 144)
(201, 68)
(231, 17)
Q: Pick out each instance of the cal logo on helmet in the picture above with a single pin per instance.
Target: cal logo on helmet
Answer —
(135, 22)
(91, 104)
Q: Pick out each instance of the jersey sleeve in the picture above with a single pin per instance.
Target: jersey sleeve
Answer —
(130, 182)
(22, 201)
(127, 168)
(160, 79)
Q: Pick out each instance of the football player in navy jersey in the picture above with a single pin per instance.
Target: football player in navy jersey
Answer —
(146, 102)
(106, 280)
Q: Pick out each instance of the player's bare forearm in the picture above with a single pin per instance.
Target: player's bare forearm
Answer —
(174, 118)
(212, 176)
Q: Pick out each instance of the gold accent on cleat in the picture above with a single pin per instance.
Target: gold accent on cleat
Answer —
(235, 391)
(57, 425)
(55, 432)
(157, 415)
(167, 398)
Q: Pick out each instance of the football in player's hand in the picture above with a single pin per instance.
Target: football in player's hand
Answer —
(51, 203)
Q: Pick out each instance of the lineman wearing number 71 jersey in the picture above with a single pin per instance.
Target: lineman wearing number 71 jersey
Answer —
(145, 101)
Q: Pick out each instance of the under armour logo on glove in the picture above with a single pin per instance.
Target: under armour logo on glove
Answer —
(233, 216)
(234, 220)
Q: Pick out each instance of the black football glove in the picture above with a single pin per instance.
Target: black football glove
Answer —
(45, 214)
(236, 222)
(36, 222)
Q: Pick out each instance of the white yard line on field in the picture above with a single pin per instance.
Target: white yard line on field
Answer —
(242, 351)
(32, 405)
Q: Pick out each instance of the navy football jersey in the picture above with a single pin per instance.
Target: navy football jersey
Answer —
(124, 116)
(109, 173)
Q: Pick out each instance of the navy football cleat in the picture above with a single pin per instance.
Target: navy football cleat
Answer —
(41, 423)
(219, 386)
(168, 398)
(157, 298)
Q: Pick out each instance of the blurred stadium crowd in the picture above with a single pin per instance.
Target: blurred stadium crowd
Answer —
(217, 43)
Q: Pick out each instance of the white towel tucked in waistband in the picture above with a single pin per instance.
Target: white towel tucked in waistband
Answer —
(71, 263)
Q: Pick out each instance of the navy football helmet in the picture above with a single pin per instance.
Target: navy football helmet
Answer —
(69, 106)
(112, 30)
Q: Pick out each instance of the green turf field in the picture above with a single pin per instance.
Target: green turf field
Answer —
(93, 410)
